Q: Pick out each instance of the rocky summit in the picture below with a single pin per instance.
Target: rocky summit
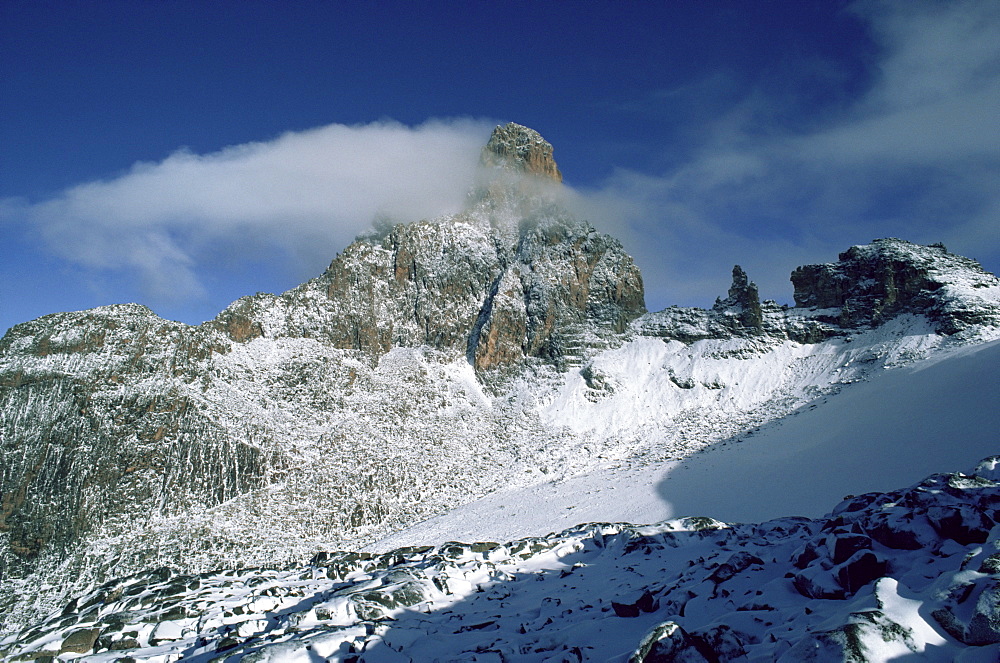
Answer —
(431, 364)
(498, 282)
(517, 147)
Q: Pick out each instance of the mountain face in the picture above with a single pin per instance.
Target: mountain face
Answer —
(430, 364)
(513, 277)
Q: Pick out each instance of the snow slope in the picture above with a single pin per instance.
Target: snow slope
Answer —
(896, 426)
(939, 415)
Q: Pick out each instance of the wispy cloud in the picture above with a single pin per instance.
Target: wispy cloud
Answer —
(304, 194)
(917, 155)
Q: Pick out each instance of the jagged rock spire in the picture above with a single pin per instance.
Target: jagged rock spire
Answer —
(520, 148)
(744, 299)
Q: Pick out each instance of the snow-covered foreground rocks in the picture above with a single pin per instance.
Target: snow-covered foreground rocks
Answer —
(913, 573)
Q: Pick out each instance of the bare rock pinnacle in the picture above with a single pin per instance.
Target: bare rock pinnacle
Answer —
(743, 300)
(518, 147)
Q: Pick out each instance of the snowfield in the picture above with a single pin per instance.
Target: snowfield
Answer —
(871, 430)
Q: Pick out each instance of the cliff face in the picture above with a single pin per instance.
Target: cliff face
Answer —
(566, 284)
(872, 283)
(102, 426)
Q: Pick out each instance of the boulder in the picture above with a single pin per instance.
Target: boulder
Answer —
(971, 612)
(862, 568)
(961, 523)
(644, 603)
(864, 636)
(737, 563)
(667, 643)
(80, 641)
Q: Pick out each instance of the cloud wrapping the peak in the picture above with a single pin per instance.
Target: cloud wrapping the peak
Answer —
(304, 194)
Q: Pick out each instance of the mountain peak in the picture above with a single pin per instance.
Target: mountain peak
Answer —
(517, 147)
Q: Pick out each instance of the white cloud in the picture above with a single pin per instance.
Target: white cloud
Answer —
(937, 92)
(305, 193)
(933, 49)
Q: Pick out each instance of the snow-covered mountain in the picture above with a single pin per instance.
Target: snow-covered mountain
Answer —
(494, 375)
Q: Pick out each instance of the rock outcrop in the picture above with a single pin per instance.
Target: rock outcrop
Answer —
(872, 283)
(522, 149)
(568, 286)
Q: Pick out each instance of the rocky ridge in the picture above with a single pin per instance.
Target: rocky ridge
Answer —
(914, 572)
(872, 283)
(422, 369)
(868, 286)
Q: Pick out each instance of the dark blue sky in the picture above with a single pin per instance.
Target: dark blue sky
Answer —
(701, 133)
(94, 87)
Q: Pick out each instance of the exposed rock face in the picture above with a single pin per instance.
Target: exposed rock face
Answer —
(567, 285)
(740, 314)
(518, 147)
(875, 282)
(70, 426)
(456, 285)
